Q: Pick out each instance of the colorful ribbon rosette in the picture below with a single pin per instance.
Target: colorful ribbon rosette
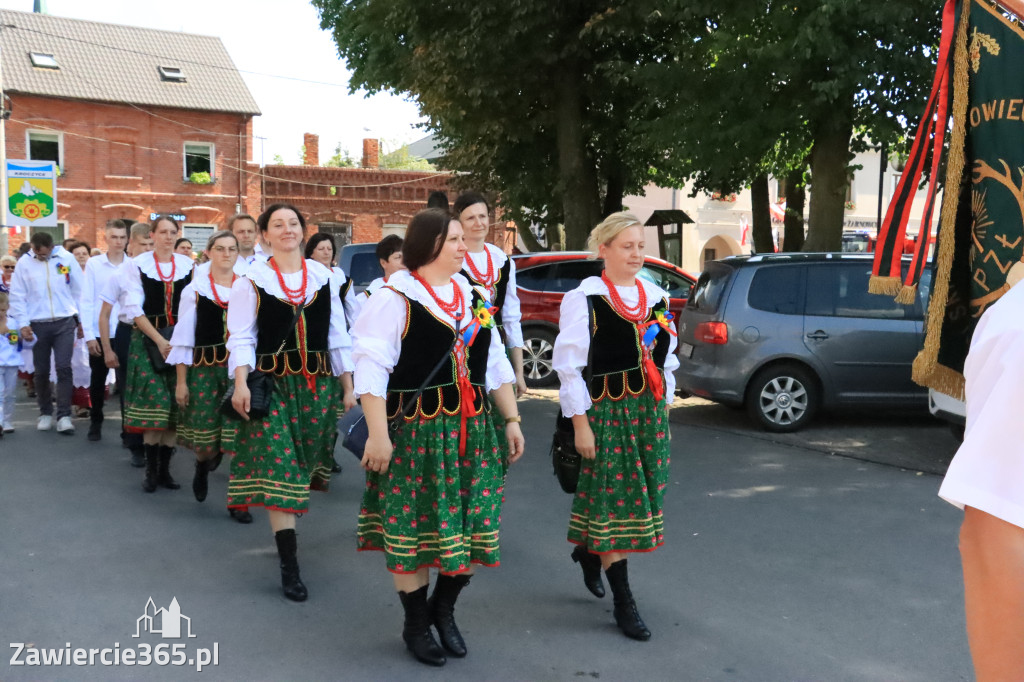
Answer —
(13, 338)
(483, 318)
(662, 320)
(66, 271)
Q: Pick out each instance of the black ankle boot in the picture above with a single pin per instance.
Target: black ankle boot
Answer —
(626, 616)
(164, 477)
(152, 455)
(290, 580)
(442, 612)
(416, 631)
(200, 481)
(591, 565)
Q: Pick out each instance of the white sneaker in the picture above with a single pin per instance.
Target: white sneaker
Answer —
(65, 426)
(8, 427)
(45, 423)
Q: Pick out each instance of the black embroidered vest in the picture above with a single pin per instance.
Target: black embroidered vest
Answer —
(500, 290)
(274, 317)
(154, 304)
(211, 333)
(616, 354)
(425, 339)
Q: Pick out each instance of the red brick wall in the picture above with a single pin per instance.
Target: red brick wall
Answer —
(103, 180)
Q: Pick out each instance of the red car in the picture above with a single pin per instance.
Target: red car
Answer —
(543, 278)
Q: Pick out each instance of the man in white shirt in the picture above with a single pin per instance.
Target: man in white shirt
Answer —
(986, 480)
(243, 226)
(45, 293)
(98, 272)
(114, 347)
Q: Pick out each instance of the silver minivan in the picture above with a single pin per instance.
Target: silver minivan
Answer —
(785, 335)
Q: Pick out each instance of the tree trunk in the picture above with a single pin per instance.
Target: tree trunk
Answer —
(761, 222)
(581, 203)
(796, 195)
(830, 158)
(526, 234)
(614, 191)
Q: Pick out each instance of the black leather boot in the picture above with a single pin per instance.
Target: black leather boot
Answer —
(416, 631)
(152, 455)
(200, 480)
(164, 478)
(287, 549)
(591, 565)
(626, 616)
(442, 612)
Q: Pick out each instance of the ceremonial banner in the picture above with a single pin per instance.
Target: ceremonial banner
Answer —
(981, 229)
(32, 193)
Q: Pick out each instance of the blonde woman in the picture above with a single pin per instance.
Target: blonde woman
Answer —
(620, 415)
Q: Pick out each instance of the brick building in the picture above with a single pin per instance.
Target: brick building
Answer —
(358, 205)
(139, 121)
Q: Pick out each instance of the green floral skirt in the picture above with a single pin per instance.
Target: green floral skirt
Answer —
(149, 396)
(433, 508)
(279, 459)
(202, 428)
(618, 502)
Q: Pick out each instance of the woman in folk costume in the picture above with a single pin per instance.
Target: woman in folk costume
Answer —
(434, 485)
(199, 354)
(281, 457)
(616, 330)
(153, 283)
(489, 267)
(320, 247)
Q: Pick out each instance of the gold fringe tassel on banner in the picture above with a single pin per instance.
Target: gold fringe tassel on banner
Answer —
(885, 286)
(927, 370)
(907, 295)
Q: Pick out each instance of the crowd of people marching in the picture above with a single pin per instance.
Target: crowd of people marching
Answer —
(253, 355)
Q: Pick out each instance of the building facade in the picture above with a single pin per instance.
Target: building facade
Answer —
(139, 122)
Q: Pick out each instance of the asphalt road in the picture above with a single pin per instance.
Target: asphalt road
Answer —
(782, 562)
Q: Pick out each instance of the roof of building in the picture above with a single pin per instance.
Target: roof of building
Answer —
(428, 148)
(114, 63)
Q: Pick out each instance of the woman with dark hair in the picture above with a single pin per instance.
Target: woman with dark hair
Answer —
(389, 255)
(199, 354)
(184, 247)
(618, 398)
(434, 493)
(153, 283)
(489, 267)
(285, 319)
(320, 248)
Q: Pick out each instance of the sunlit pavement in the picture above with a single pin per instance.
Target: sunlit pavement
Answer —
(781, 562)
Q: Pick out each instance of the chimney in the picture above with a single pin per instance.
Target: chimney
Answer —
(371, 153)
(312, 144)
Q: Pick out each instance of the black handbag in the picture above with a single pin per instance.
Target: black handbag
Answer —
(565, 460)
(156, 358)
(353, 423)
(261, 384)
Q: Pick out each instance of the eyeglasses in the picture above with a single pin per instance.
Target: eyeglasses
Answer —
(8, 267)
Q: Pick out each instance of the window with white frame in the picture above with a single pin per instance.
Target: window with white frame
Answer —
(198, 165)
(43, 145)
(393, 228)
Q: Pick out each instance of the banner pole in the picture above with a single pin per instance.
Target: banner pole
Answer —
(4, 229)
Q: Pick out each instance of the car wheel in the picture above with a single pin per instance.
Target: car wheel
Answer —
(783, 398)
(538, 348)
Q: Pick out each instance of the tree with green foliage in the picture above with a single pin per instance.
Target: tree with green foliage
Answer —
(793, 89)
(532, 99)
(401, 159)
(341, 159)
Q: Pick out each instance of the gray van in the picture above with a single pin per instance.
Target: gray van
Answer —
(785, 335)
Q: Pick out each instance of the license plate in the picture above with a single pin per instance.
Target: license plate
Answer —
(686, 350)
